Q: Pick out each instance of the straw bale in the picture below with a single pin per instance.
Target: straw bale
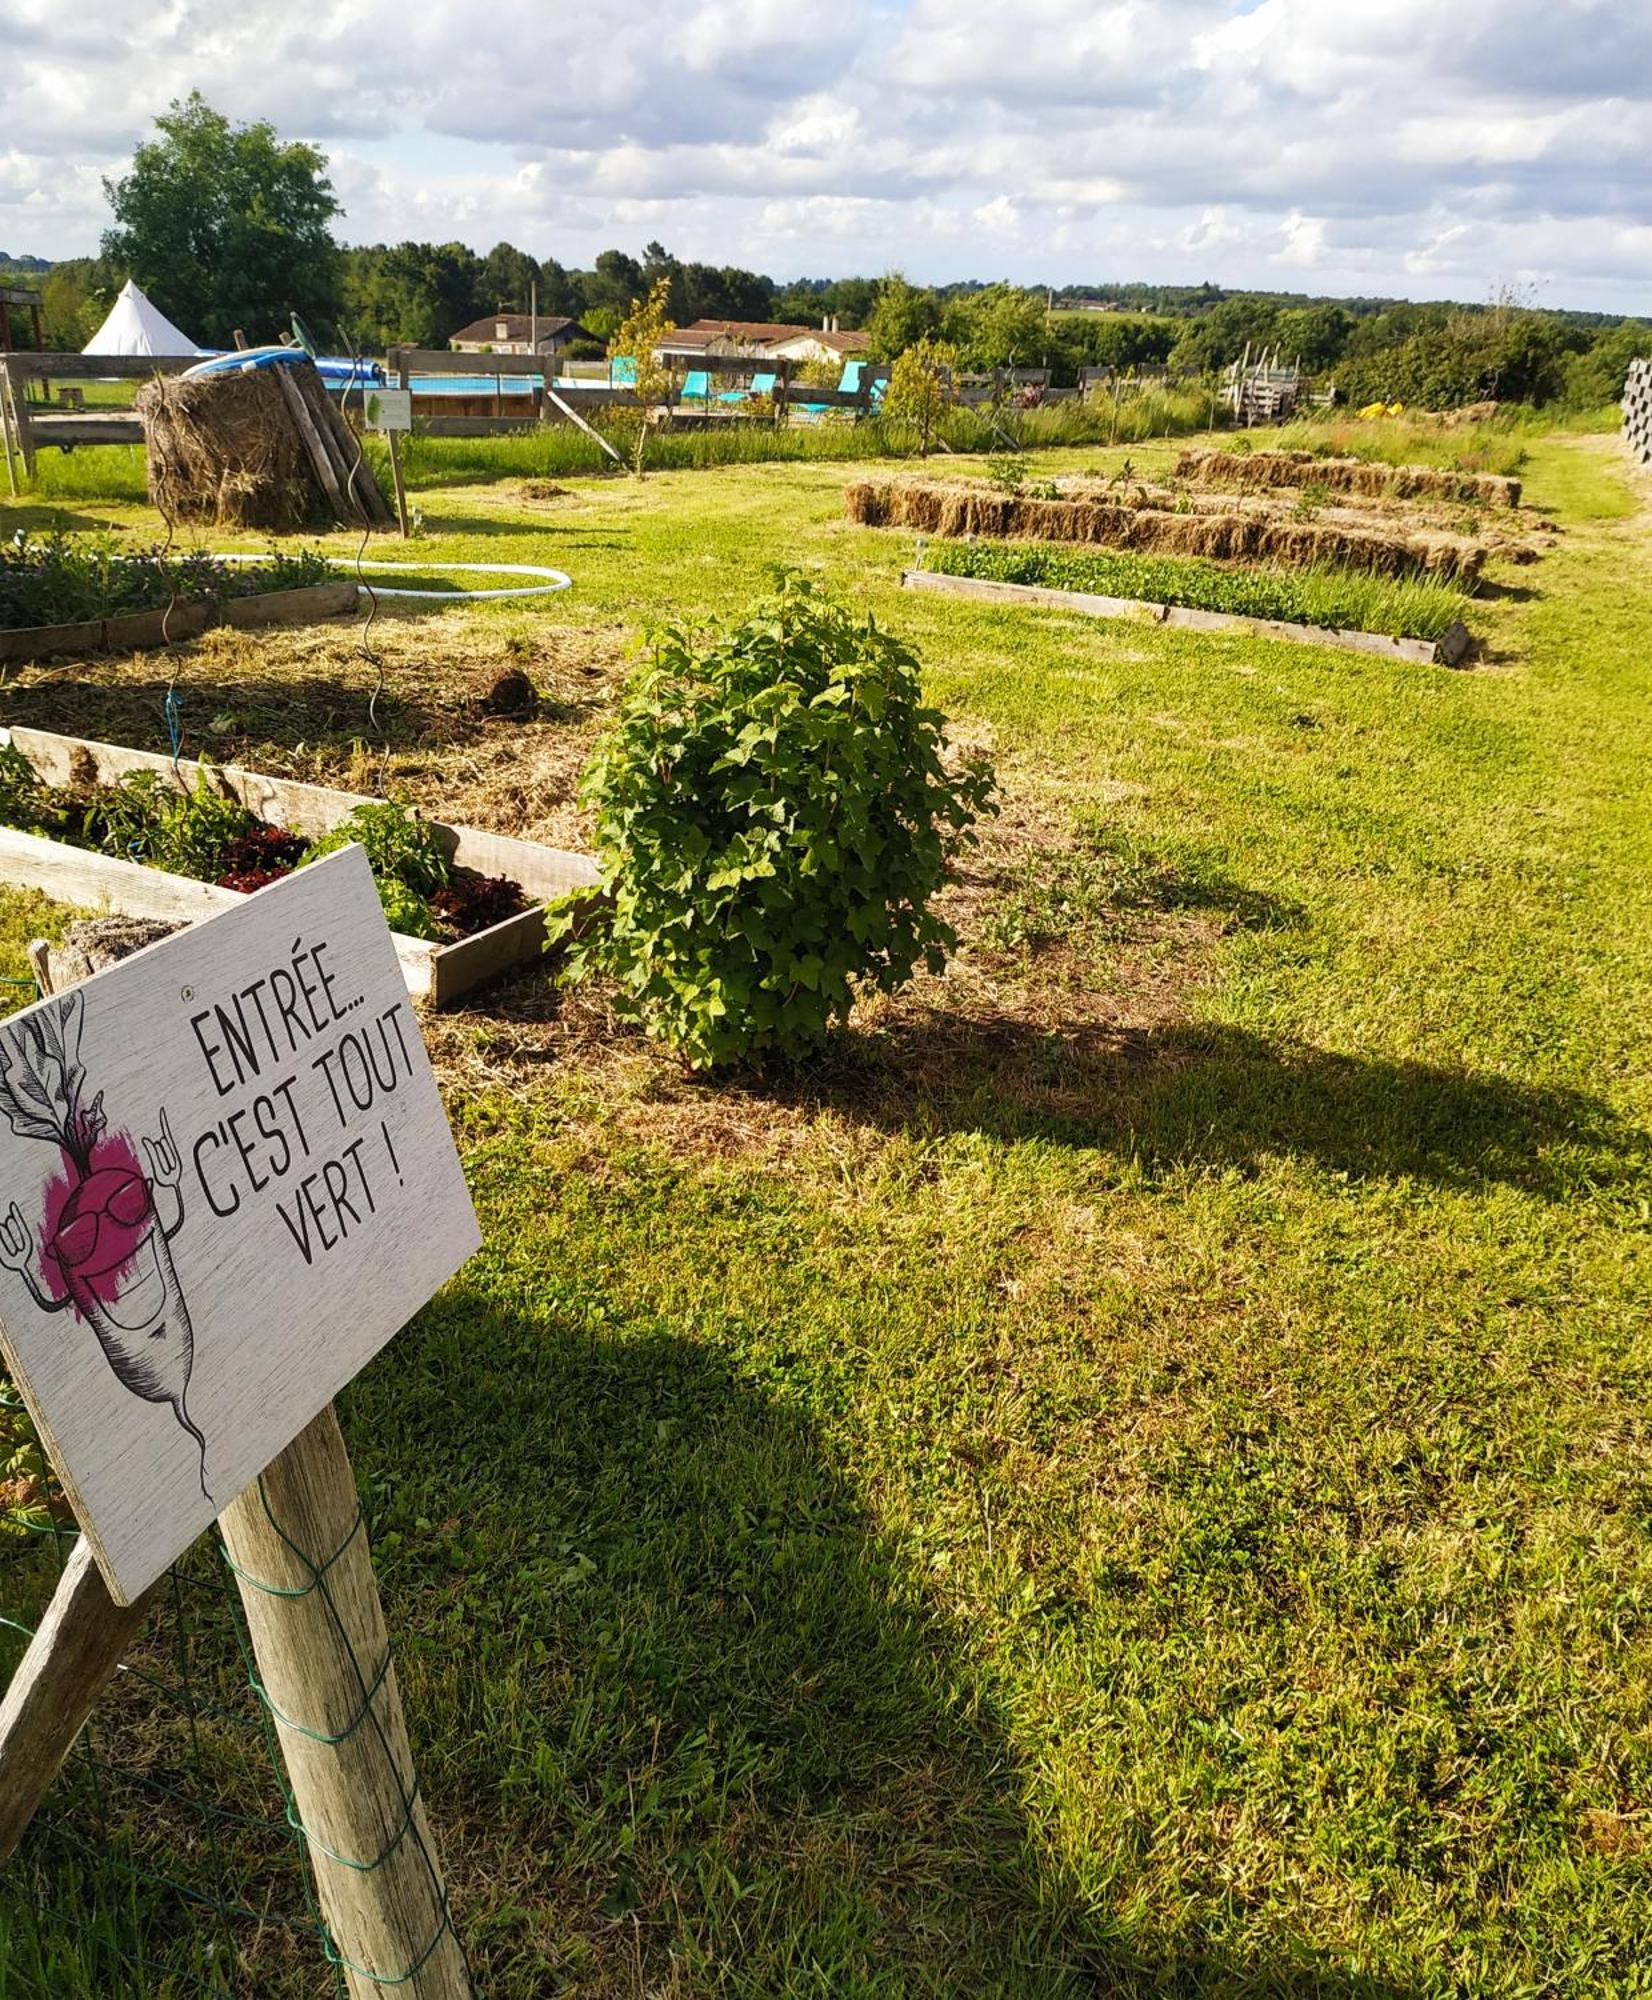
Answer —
(957, 509)
(224, 449)
(1254, 470)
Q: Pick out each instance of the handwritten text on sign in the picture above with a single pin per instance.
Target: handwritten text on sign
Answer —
(225, 1181)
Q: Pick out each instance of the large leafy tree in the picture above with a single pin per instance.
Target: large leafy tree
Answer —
(901, 316)
(227, 226)
(1005, 327)
(508, 279)
(412, 294)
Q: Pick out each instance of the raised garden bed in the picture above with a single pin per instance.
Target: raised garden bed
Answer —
(439, 972)
(1450, 648)
(133, 630)
(956, 508)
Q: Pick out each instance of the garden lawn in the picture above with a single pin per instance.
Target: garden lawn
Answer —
(1133, 1473)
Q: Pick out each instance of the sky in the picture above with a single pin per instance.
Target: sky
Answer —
(1420, 148)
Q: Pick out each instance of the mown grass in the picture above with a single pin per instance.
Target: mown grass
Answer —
(1132, 1475)
(1323, 596)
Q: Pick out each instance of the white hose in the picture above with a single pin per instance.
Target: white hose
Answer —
(557, 579)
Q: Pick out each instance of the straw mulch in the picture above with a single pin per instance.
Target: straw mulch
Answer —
(224, 449)
(960, 509)
(1254, 470)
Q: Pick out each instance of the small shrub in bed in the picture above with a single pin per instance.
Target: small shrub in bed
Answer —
(773, 821)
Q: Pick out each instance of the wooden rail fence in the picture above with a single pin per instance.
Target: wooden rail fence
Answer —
(32, 417)
(31, 421)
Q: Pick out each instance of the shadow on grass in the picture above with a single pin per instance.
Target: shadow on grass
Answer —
(697, 1723)
(41, 517)
(1225, 1097)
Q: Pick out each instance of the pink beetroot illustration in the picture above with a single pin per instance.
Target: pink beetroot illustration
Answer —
(106, 1225)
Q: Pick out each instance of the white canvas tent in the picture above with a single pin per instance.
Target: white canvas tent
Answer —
(134, 326)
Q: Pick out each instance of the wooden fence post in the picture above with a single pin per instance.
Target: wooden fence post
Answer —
(298, 1545)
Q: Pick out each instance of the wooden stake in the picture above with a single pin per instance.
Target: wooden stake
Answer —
(322, 464)
(323, 1656)
(574, 417)
(5, 438)
(75, 1650)
(396, 475)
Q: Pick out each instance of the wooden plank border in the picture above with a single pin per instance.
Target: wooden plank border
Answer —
(186, 620)
(1448, 650)
(441, 973)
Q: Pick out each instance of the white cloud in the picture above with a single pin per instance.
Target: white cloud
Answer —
(1370, 144)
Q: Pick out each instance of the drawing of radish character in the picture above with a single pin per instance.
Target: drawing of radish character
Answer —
(107, 1226)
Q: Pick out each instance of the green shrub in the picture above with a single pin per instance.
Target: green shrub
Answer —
(773, 819)
(406, 855)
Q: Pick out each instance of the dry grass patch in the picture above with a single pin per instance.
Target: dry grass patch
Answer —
(1260, 469)
(309, 703)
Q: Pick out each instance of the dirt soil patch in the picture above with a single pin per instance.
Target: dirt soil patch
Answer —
(1050, 1009)
(408, 710)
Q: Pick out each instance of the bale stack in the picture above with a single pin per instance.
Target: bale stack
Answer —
(1637, 410)
(256, 448)
(937, 509)
(1253, 471)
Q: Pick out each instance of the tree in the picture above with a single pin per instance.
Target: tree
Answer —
(415, 294)
(1005, 327)
(74, 300)
(1314, 335)
(901, 316)
(508, 279)
(920, 388)
(1221, 335)
(638, 337)
(227, 226)
(1598, 376)
(616, 281)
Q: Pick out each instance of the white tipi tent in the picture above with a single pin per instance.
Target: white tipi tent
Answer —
(134, 326)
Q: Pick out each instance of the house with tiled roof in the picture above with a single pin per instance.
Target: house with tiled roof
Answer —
(518, 333)
(763, 340)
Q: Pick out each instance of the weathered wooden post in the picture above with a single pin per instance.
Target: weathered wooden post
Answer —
(294, 1142)
(301, 1559)
(76, 1647)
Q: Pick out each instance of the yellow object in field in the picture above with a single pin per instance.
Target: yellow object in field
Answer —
(1372, 411)
(1396, 409)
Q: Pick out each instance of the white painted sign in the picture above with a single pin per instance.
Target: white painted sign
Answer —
(226, 1180)
(389, 409)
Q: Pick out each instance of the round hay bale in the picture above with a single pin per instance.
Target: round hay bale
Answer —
(225, 449)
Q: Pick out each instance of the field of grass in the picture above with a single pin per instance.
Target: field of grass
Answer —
(1133, 1474)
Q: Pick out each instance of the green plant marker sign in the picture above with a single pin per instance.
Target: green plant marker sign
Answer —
(226, 1180)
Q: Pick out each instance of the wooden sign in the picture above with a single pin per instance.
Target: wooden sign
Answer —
(389, 409)
(226, 1179)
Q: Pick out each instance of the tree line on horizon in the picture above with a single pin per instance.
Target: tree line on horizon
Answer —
(230, 228)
